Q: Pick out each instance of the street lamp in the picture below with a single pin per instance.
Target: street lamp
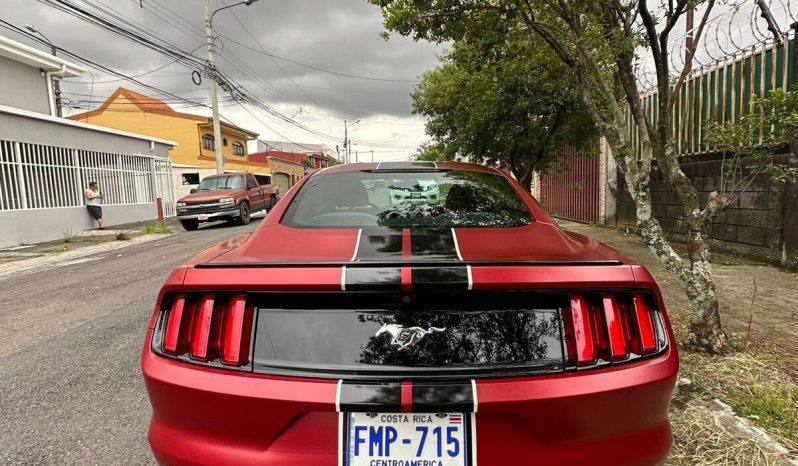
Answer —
(217, 130)
(56, 82)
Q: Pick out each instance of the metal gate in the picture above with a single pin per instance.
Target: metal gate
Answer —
(571, 189)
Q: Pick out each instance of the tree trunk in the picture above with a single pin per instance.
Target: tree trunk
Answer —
(705, 331)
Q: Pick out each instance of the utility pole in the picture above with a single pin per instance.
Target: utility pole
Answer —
(347, 141)
(346, 145)
(56, 82)
(372, 155)
(211, 70)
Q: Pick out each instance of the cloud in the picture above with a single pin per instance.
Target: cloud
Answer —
(341, 36)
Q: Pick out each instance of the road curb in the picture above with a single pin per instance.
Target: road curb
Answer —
(47, 262)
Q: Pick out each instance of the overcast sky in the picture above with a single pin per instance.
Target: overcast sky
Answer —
(341, 36)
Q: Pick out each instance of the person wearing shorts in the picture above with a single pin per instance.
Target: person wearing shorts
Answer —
(93, 197)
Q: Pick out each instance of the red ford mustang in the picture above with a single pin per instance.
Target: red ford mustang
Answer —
(410, 314)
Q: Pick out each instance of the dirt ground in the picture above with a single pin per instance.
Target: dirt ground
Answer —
(758, 300)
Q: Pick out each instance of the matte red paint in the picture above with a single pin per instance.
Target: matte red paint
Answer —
(614, 415)
(407, 396)
(406, 275)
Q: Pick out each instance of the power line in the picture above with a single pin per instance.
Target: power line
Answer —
(336, 73)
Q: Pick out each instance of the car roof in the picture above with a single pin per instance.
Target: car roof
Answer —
(406, 166)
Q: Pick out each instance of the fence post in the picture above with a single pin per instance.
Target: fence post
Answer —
(78, 176)
(153, 180)
(159, 208)
(793, 78)
(23, 193)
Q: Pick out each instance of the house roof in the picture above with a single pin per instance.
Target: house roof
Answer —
(152, 105)
(31, 56)
(290, 157)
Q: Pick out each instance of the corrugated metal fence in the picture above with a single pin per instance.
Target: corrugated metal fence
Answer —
(571, 189)
(722, 93)
(36, 176)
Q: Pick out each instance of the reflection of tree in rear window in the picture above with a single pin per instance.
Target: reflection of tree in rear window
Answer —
(432, 199)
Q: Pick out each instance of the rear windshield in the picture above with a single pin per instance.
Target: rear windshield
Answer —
(433, 199)
(221, 182)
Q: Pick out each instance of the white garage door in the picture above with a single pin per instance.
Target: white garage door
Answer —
(282, 181)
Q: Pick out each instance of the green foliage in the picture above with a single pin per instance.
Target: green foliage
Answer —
(502, 99)
(431, 152)
(779, 111)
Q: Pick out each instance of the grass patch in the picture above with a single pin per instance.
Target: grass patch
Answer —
(750, 380)
(57, 250)
(751, 383)
(698, 441)
(154, 227)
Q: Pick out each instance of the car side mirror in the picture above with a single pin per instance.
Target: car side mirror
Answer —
(192, 191)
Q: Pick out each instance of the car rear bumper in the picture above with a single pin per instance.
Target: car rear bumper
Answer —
(614, 416)
(210, 216)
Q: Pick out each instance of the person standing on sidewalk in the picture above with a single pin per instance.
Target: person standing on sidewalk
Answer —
(93, 197)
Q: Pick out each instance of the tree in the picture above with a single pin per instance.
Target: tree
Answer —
(432, 152)
(600, 41)
(503, 99)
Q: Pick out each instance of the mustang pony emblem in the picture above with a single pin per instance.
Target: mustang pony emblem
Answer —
(404, 338)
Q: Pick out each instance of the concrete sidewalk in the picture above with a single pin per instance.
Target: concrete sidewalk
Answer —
(754, 297)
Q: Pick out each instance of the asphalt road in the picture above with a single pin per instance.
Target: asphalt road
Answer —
(70, 385)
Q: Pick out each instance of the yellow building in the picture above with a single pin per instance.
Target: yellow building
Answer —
(193, 158)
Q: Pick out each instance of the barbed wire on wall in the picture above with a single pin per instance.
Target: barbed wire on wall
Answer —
(735, 30)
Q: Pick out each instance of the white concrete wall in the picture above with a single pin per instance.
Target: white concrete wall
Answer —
(38, 225)
(23, 86)
(184, 189)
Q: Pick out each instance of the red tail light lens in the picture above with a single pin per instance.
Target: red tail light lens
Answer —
(615, 330)
(201, 328)
(173, 321)
(610, 327)
(237, 330)
(582, 351)
(648, 339)
(206, 328)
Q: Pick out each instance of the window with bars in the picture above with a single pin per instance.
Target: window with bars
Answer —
(238, 148)
(207, 142)
(35, 176)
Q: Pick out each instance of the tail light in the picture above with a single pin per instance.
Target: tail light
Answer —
(602, 328)
(207, 328)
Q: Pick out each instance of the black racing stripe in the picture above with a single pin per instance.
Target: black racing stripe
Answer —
(381, 397)
(373, 278)
(433, 245)
(443, 397)
(439, 278)
(437, 245)
(379, 246)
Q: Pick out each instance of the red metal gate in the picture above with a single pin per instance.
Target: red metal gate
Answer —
(571, 189)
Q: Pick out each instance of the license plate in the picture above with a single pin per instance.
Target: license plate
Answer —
(415, 195)
(440, 439)
(202, 217)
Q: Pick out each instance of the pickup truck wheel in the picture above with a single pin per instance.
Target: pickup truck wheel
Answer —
(243, 217)
(270, 204)
(190, 225)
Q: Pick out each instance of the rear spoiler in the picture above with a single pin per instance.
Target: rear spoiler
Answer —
(415, 263)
